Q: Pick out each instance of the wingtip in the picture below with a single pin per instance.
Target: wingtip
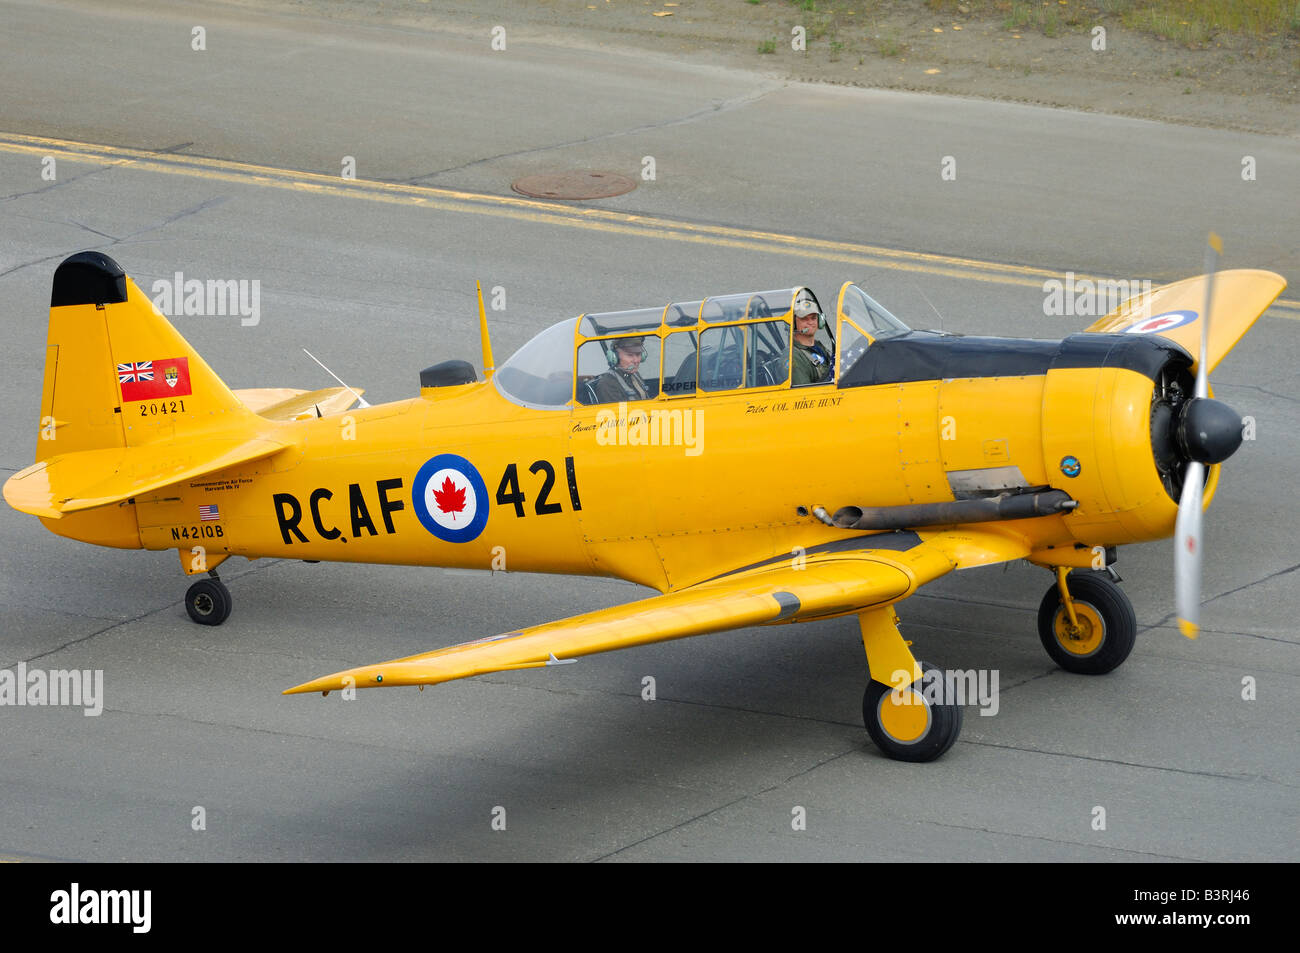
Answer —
(371, 677)
(330, 683)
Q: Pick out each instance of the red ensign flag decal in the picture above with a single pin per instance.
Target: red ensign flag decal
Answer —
(155, 380)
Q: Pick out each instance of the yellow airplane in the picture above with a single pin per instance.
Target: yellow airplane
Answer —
(669, 446)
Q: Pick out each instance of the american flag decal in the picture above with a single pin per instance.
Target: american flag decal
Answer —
(208, 511)
(137, 371)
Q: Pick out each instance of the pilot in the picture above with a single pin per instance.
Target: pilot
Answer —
(812, 365)
(623, 379)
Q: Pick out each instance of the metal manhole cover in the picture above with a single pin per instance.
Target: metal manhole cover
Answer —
(573, 185)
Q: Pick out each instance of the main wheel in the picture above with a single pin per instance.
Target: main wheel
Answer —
(208, 602)
(912, 725)
(1107, 627)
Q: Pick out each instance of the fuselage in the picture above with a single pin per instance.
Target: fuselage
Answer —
(665, 491)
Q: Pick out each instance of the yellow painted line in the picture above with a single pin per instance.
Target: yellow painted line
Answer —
(547, 213)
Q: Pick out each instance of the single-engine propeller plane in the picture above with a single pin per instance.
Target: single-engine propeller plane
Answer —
(935, 452)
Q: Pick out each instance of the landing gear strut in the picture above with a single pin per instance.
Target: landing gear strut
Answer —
(906, 709)
(208, 601)
(1086, 624)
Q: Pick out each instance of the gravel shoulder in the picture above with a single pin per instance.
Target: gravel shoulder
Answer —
(1233, 83)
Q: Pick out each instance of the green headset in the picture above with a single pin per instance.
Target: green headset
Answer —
(611, 353)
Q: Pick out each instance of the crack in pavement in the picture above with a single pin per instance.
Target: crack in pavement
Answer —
(1165, 624)
(184, 213)
(57, 184)
(1164, 620)
(723, 807)
(985, 830)
(251, 570)
(1128, 764)
(1220, 385)
(1058, 840)
(972, 602)
(114, 238)
(713, 109)
(1031, 678)
(28, 264)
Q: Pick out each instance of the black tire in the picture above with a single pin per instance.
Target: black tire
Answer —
(942, 728)
(1102, 600)
(208, 602)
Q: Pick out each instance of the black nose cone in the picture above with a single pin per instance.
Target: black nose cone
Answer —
(1209, 431)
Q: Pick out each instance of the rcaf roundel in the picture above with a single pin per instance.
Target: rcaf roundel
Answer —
(450, 498)
(1160, 323)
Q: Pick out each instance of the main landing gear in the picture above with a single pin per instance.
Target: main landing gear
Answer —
(1086, 624)
(906, 708)
(208, 601)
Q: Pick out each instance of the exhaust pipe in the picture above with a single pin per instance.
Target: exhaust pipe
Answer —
(1005, 506)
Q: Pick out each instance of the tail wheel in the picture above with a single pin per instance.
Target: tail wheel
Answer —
(916, 723)
(1106, 630)
(208, 602)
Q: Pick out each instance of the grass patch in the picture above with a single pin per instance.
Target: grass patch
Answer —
(1267, 28)
(1187, 22)
(1169, 26)
(767, 46)
(890, 44)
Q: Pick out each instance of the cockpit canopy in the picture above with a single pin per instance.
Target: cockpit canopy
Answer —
(717, 344)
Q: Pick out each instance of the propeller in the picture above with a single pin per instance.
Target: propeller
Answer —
(1207, 432)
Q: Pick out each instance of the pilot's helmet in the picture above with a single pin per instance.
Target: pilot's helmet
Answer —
(804, 305)
(633, 344)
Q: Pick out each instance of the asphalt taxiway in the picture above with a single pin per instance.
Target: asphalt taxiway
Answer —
(224, 163)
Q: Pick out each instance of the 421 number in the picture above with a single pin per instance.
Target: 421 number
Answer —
(509, 493)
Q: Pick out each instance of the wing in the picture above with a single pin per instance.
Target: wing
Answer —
(1173, 311)
(832, 580)
(90, 478)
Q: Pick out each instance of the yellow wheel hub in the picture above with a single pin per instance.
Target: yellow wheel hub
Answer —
(904, 716)
(1089, 635)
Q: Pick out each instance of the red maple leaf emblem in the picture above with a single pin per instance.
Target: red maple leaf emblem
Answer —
(448, 498)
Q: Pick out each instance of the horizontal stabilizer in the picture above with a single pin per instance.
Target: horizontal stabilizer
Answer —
(1174, 311)
(286, 403)
(89, 478)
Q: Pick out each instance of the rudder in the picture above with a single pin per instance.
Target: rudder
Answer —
(117, 374)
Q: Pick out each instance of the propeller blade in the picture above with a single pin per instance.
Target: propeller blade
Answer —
(1187, 528)
(1212, 250)
(1187, 551)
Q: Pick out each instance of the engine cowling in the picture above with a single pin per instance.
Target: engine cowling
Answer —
(1119, 427)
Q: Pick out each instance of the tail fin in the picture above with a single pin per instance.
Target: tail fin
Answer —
(121, 385)
(117, 374)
